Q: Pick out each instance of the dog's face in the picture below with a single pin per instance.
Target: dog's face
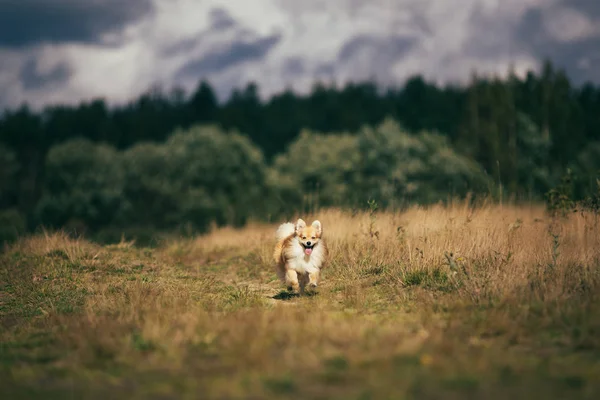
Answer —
(308, 236)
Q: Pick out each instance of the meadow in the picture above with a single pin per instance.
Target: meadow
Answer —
(452, 302)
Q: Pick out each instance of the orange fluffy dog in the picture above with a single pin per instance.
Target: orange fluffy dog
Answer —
(300, 254)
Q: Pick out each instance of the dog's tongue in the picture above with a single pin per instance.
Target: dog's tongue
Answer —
(308, 251)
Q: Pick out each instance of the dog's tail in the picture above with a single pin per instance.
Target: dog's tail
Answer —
(285, 230)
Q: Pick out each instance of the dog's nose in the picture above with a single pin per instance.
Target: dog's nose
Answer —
(308, 243)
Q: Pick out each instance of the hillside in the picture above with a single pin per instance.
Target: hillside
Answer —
(495, 302)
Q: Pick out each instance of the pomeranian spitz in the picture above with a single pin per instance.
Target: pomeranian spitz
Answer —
(300, 254)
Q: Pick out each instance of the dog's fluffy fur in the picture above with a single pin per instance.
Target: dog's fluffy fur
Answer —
(300, 254)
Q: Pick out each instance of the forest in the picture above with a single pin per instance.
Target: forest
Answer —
(171, 161)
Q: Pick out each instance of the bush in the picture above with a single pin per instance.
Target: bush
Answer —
(12, 225)
(149, 189)
(9, 167)
(533, 158)
(398, 167)
(83, 186)
(384, 163)
(579, 187)
(203, 176)
(198, 177)
(325, 165)
(587, 170)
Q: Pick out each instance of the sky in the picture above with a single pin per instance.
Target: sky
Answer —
(68, 51)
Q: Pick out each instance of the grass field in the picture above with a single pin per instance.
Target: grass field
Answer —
(453, 303)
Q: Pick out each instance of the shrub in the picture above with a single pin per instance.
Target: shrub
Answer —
(12, 225)
(533, 158)
(83, 186)
(9, 167)
(199, 176)
(326, 165)
(384, 163)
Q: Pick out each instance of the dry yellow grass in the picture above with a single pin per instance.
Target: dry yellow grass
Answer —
(429, 303)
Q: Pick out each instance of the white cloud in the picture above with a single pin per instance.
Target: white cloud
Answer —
(567, 25)
(442, 40)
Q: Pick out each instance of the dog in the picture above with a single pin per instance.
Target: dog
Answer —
(300, 254)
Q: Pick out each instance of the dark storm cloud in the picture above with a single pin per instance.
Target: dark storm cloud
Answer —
(382, 53)
(388, 48)
(233, 54)
(294, 66)
(591, 8)
(327, 69)
(182, 46)
(530, 32)
(392, 47)
(221, 20)
(580, 58)
(489, 37)
(28, 22)
(31, 79)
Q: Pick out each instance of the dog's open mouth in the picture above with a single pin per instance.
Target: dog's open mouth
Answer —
(308, 249)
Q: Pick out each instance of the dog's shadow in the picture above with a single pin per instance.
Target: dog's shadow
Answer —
(285, 295)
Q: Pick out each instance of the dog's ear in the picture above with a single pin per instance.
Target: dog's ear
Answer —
(300, 225)
(317, 225)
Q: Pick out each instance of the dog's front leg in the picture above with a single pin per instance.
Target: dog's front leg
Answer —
(313, 279)
(291, 279)
(303, 280)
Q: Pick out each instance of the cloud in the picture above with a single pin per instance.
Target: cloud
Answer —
(293, 66)
(233, 55)
(31, 22)
(74, 50)
(33, 78)
(390, 47)
(568, 33)
(366, 56)
(488, 35)
(588, 7)
(221, 20)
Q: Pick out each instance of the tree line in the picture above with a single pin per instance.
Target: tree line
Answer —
(168, 158)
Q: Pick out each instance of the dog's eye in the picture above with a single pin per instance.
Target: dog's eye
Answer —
(303, 237)
(313, 238)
